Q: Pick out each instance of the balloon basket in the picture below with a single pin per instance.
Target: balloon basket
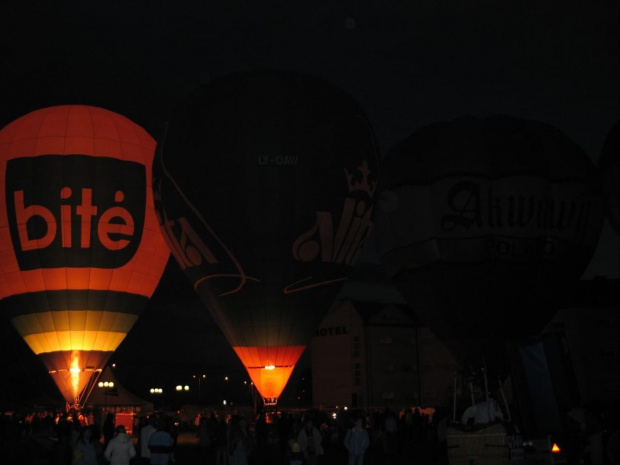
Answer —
(479, 446)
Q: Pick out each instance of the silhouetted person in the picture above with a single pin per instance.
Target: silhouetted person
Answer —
(161, 444)
(219, 442)
(84, 450)
(120, 449)
(356, 441)
(241, 443)
(204, 439)
(310, 440)
(294, 455)
(145, 435)
(390, 432)
(108, 429)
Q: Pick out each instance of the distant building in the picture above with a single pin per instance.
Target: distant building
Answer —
(375, 355)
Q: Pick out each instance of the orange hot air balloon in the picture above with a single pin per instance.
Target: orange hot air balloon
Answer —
(81, 250)
(265, 183)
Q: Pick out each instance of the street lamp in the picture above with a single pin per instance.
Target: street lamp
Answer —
(181, 388)
(156, 392)
(108, 387)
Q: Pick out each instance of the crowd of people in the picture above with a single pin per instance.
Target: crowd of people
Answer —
(290, 438)
(45, 438)
(314, 437)
(310, 437)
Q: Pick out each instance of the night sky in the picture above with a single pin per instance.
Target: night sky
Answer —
(408, 64)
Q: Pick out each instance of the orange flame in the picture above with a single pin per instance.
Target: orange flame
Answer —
(75, 372)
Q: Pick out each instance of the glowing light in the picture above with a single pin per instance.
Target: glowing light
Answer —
(75, 372)
(555, 448)
(270, 367)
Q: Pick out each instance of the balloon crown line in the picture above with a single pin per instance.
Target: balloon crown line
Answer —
(364, 185)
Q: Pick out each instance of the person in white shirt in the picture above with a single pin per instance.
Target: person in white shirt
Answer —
(120, 449)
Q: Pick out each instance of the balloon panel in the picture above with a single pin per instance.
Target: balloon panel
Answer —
(79, 240)
(265, 181)
(482, 221)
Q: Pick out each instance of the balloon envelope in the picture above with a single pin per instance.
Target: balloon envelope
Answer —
(265, 180)
(80, 244)
(609, 169)
(482, 222)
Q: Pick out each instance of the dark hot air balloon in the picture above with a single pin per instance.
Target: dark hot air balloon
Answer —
(265, 181)
(609, 169)
(483, 224)
(81, 247)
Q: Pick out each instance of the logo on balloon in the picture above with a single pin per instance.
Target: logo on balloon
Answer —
(192, 253)
(346, 244)
(320, 242)
(473, 204)
(76, 212)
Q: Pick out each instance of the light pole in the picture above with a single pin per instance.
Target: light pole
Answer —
(225, 389)
(199, 378)
(252, 393)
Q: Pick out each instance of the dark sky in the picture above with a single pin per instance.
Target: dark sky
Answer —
(407, 62)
